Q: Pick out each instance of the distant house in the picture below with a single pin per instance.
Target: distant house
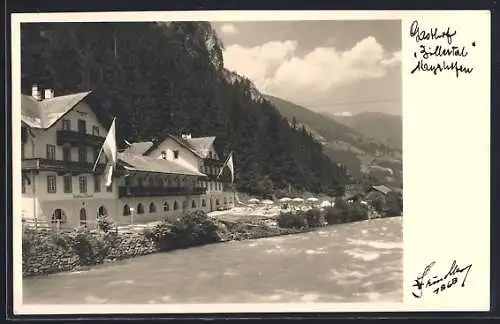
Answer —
(375, 192)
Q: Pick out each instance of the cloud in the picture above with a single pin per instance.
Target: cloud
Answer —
(276, 69)
(228, 29)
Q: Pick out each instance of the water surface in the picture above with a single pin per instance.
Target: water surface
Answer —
(359, 262)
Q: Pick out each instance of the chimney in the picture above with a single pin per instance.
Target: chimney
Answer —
(186, 136)
(36, 93)
(49, 93)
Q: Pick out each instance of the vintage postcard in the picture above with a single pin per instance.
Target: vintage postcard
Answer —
(215, 162)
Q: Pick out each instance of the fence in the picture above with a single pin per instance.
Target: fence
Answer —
(54, 226)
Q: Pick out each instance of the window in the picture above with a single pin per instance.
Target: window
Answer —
(101, 212)
(152, 208)
(23, 184)
(23, 151)
(66, 124)
(210, 155)
(164, 155)
(225, 200)
(126, 210)
(178, 182)
(176, 205)
(193, 204)
(82, 154)
(51, 152)
(82, 126)
(83, 217)
(51, 184)
(159, 182)
(140, 209)
(66, 154)
(217, 202)
(166, 207)
(139, 182)
(127, 181)
(97, 183)
(82, 182)
(169, 182)
(95, 130)
(151, 182)
(110, 188)
(176, 154)
(68, 183)
(59, 216)
(211, 186)
(203, 203)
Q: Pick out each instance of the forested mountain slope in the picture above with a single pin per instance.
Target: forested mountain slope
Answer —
(160, 78)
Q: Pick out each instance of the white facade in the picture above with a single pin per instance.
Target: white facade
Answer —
(57, 190)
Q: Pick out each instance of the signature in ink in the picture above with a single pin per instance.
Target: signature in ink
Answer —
(439, 283)
(432, 34)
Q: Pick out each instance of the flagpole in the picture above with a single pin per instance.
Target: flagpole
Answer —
(224, 165)
(97, 160)
(102, 149)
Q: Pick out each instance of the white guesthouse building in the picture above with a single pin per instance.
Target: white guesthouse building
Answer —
(60, 140)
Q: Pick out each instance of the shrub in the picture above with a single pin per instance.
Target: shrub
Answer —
(190, 230)
(357, 212)
(89, 248)
(314, 217)
(105, 223)
(292, 219)
(345, 213)
(162, 235)
(339, 213)
(29, 241)
(378, 203)
(332, 215)
(394, 205)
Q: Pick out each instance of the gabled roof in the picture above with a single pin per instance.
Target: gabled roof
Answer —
(182, 142)
(138, 148)
(383, 189)
(142, 163)
(45, 113)
(202, 145)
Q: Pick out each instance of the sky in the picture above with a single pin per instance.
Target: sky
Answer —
(342, 67)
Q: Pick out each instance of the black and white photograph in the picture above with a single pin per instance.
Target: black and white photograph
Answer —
(214, 162)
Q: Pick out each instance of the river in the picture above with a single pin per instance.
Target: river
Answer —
(358, 262)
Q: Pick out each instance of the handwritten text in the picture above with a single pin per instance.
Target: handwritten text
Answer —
(439, 284)
(437, 58)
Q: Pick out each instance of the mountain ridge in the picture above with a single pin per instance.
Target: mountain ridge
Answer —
(384, 127)
(366, 158)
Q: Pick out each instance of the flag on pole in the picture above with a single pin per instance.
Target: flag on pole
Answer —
(230, 165)
(109, 148)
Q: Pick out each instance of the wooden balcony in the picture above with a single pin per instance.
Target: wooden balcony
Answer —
(159, 191)
(212, 162)
(78, 139)
(61, 167)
